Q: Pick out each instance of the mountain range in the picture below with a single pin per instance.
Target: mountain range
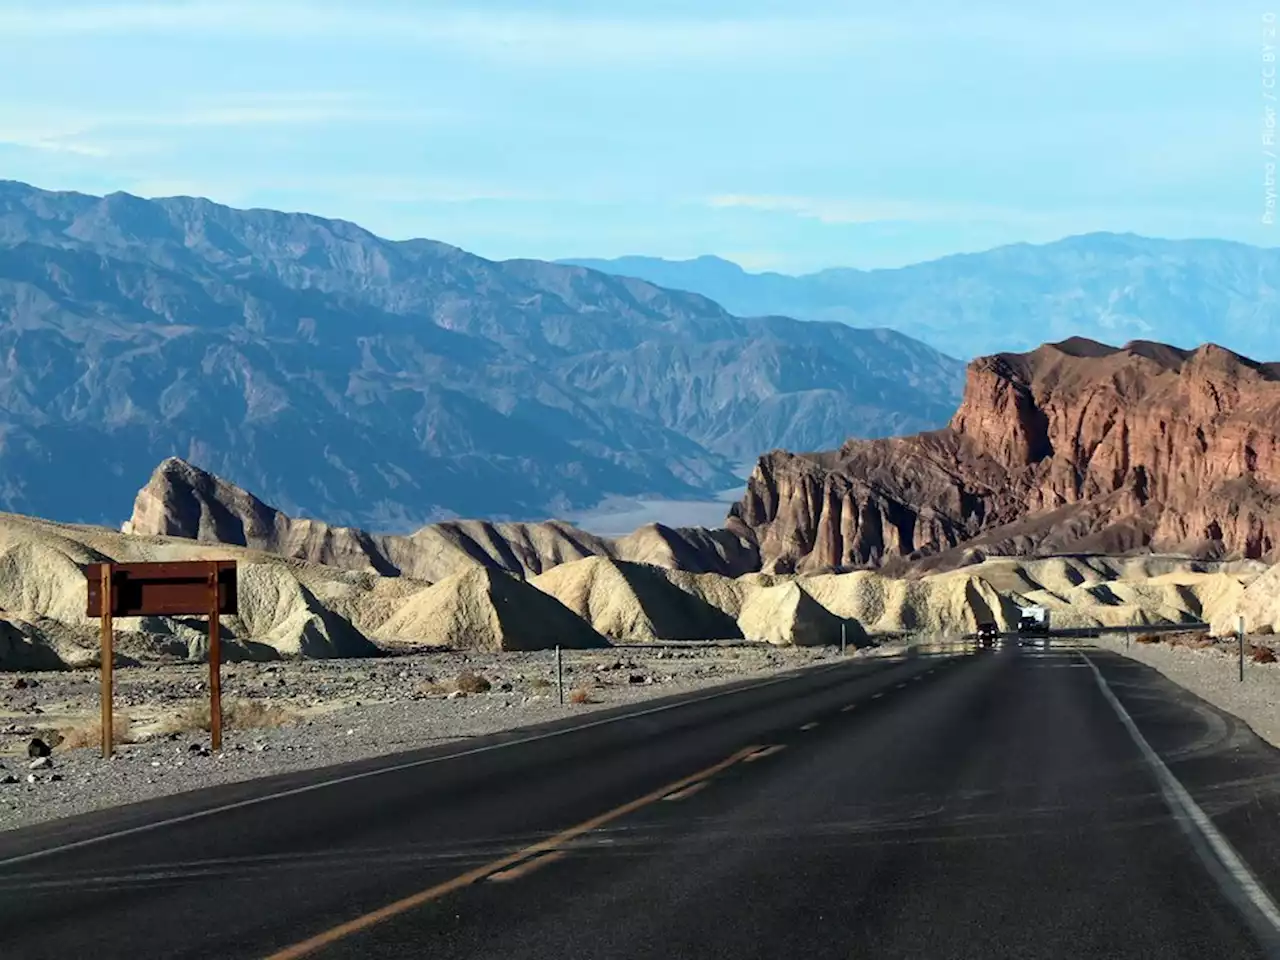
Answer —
(1104, 286)
(389, 383)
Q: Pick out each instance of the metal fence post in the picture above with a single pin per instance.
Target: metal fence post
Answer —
(559, 676)
(842, 638)
(1240, 636)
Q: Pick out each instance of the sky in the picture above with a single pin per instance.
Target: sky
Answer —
(786, 136)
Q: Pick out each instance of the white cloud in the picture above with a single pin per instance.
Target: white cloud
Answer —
(99, 134)
(1045, 222)
(48, 142)
(845, 210)
(556, 38)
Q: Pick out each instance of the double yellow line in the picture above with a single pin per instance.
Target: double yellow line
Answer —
(504, 865)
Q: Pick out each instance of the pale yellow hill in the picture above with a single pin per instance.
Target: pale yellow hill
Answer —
(634, 602)
(43, 591)
(485, 609)
(787, 616)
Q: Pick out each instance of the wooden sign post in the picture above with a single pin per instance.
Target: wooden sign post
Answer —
(185, 588)
(107, 658)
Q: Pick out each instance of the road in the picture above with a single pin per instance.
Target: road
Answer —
(989, 805)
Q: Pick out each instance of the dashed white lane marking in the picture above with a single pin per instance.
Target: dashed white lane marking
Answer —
(899, 686)
(877, 696)
(849, 708)
(1232, 873)
(810, 725)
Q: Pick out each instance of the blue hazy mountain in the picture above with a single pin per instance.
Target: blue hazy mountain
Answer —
(341, 375)
(1105, 286)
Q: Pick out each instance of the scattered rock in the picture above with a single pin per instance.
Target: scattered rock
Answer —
(636, 678)
(55, 777)
(32, 778)
(41, 763)
(20, 684)
(8, 778)
(456, 695)
(38, 748)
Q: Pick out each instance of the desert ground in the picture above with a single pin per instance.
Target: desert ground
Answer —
(297, 714)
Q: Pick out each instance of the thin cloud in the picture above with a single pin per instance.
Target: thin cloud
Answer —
(834, 210)
(514, 35)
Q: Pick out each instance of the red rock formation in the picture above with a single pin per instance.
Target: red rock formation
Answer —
(1072, 446)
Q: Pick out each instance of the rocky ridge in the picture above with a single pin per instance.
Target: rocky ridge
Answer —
(1073, 447)
(181, 500)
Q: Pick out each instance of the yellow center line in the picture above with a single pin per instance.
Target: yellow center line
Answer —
(333, 934)
(760, 754)
(688, 791)
(520, 869)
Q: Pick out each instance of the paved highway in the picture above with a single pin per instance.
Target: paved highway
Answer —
(1003, 804)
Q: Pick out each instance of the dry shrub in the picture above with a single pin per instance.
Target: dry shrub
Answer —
(88, 733)
(579, 695)
(469, 682)
(540, 684)
(236, 715)
(1147, 638)
(1193, 641)
(432, 688)
(1259, 654)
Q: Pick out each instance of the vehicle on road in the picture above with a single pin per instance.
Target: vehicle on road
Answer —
(988, 635)
(1033, 621)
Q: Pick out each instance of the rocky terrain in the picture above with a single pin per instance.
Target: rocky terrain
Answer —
(1073, 447)
(415, 381)
(181, 500)
(295, 715)
(1105, 286)
(291, 608)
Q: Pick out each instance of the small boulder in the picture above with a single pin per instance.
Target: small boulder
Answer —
(636, 678)
(38, 748)
(41, 763)
(20, 684)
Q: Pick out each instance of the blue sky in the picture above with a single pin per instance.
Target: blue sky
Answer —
(788, 136)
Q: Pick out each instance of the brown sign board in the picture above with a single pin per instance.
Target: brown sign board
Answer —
(180, 588)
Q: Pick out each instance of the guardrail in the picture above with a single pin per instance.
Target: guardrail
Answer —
(1087, 632)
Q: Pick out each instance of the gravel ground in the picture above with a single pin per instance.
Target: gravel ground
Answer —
(333, 711)
(1213, 673)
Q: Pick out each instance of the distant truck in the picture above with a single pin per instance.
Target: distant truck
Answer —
(1033, 621)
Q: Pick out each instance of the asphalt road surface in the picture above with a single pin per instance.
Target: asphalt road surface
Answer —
(1001, 804)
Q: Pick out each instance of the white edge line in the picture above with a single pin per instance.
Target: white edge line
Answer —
(1191, 816)
(394, 768)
